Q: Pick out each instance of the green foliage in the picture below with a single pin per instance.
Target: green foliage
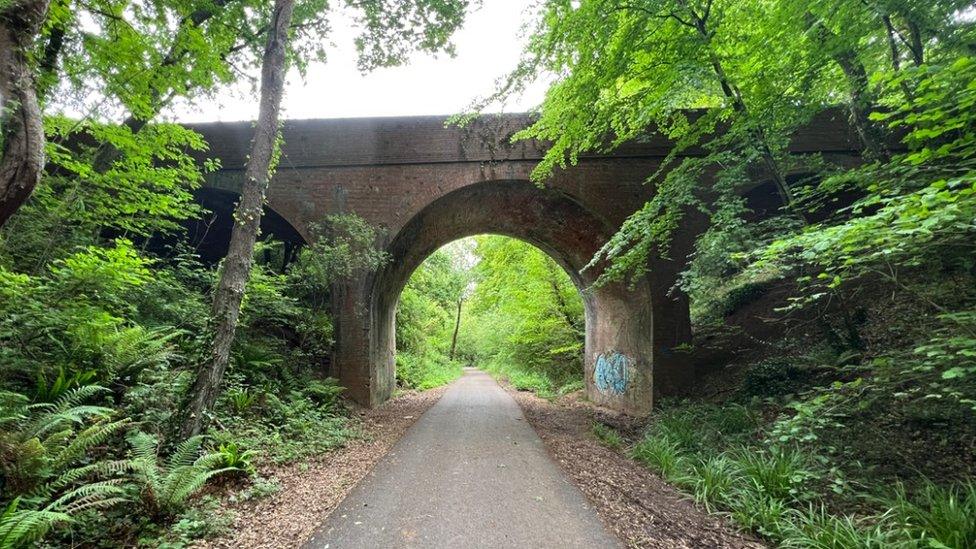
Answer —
(777, 474)
(427, 315)
(304, 420)
(207, 518)
(43, 455)
(165, 486)
(324, 392)
(527, 318)
(660, 453)
(775, 378)
(608, 436)
(815, 527)
(234, 457)
(425, 372)
(711, 480)
(773, 486)
(97, 284)
(937, 516)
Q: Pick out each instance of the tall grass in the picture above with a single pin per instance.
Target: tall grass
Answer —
(662, 454)
(526, 379)
(937, 516)
(714, 455)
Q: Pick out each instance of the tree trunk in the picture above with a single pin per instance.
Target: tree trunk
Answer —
(21, 125)
(457, 327)
(859, 104)
(237, 265)
(860, 99)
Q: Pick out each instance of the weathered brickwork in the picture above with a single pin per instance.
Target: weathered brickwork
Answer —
(424, 185)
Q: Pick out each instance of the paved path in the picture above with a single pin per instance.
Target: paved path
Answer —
(470, 473)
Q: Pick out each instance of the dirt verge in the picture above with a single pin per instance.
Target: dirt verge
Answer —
(310, 490)
(634, 503)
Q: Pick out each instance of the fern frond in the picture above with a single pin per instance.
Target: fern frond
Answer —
(107, 468)
(186, 452)
(185, 482)
(77, 395)
(136, 348)
(56, 419)
(17, 527)
(94, 495)
(92, 436)
(144, 446)
(209, 461)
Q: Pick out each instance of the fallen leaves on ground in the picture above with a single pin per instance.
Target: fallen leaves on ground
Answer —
(633, 503)
(310, 490)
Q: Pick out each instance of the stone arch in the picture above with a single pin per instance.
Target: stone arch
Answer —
(619, 322)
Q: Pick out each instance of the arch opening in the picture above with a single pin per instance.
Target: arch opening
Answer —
(493, 302)
(618, 346)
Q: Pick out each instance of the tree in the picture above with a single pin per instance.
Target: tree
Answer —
(525, 311)
(21, 126)
(733, 78)
(119, 61)
(385, 25)
(247, 221)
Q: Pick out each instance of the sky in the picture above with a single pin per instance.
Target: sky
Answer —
(488, 46)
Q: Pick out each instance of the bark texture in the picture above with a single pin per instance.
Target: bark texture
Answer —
(247, 221)
(21, 127)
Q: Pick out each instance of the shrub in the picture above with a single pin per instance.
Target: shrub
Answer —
(740, 296)
(165, 486)
(44, 455)
(774, 378)
(324, 392)
(290, 426)
(424, 371)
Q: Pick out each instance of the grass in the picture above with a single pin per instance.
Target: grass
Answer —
(608, 436)
(711, 480)
(524, 379)
(718, 455)
(937, 516)
(660, 453)
(424, 372)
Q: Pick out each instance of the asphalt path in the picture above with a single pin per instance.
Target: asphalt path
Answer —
(471, 472)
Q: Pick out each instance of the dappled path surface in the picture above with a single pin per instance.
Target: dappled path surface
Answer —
(470, 473)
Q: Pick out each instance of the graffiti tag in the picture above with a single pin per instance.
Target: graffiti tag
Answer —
(612, 372)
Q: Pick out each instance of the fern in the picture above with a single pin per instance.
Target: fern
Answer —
(167, 485)
(129, 350)
(18, 527)
(41, 446)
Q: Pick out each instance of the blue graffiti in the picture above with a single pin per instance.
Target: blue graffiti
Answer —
(612, 372)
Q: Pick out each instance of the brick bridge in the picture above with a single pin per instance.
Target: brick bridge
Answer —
(425, 185)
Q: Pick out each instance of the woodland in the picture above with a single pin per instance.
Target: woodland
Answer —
(142, 380)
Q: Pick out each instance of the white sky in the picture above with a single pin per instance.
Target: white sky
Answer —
(488, 46)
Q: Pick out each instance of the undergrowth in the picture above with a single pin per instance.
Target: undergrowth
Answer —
(768, 477)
